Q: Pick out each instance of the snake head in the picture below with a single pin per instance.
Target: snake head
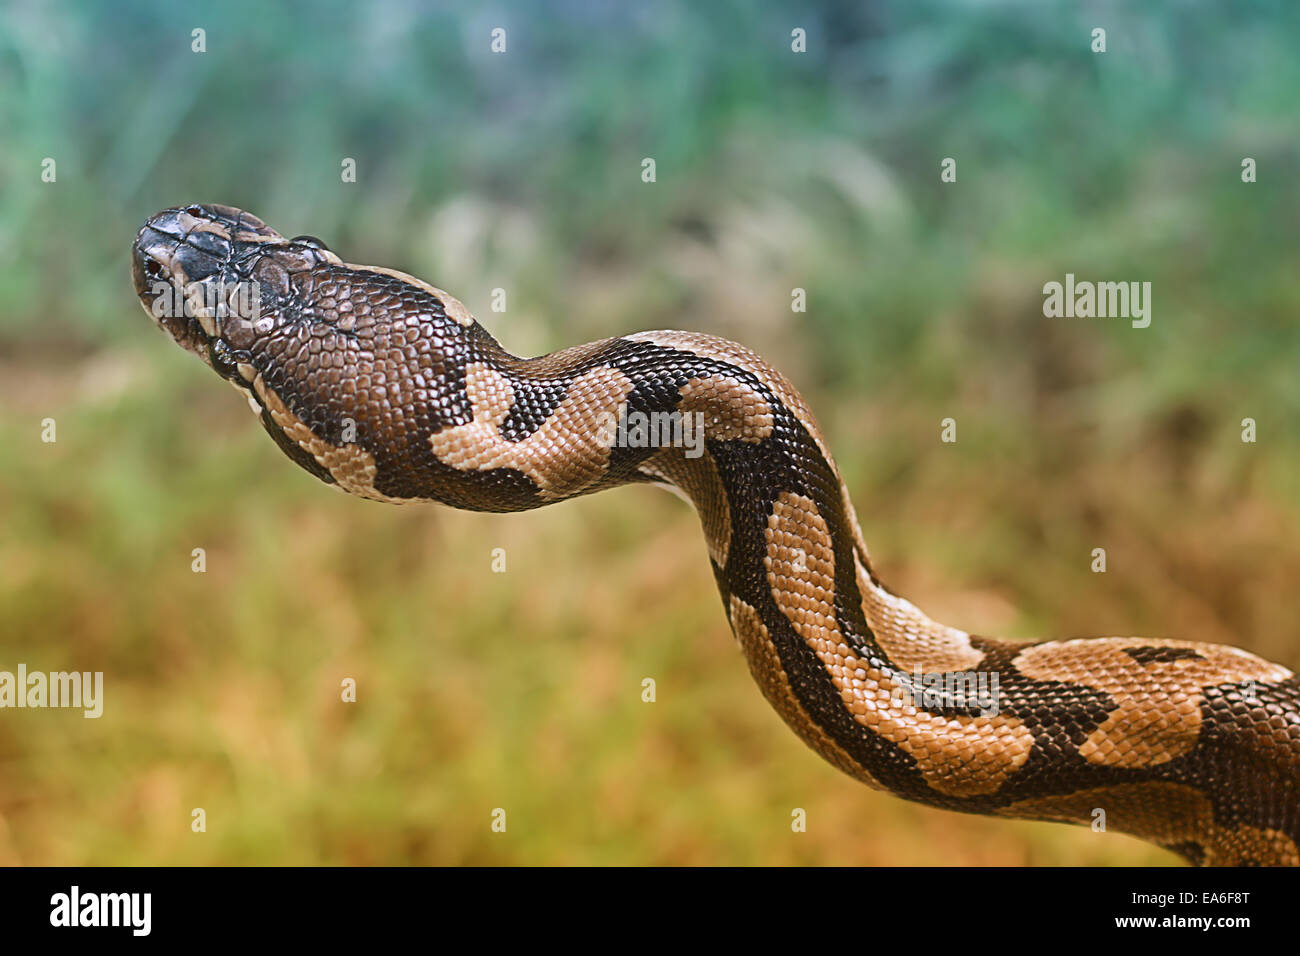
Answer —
(349, 367)
(215, 279)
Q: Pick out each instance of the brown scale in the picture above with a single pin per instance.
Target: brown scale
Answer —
(385, 386)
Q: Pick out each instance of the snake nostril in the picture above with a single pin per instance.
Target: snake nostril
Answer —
(195, 210)
(152, 269)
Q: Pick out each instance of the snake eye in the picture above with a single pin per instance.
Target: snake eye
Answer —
(309, 241)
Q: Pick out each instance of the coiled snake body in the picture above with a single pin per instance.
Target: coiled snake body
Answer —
(386, 387)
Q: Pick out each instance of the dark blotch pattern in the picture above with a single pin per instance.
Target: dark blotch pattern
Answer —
(372, 363)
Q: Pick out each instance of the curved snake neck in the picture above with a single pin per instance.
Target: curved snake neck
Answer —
(386, 387)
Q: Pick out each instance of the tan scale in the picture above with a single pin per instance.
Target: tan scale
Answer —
(956, 755)
(1167, 814)
(730, 409)
(191, 223)
(351, 466)
(452, 306)
(732, 353)
(767, 671)
(568, 454)
(1157, 716)
(723, 350)
(245, 235)
(909, 638)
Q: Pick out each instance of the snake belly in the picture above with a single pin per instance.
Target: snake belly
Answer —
(386, 387)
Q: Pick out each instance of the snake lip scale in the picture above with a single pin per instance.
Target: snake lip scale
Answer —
(386, 387)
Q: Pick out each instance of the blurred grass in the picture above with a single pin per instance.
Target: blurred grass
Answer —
(523, 690)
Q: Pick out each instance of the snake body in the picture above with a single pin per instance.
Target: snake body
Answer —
(386, 387)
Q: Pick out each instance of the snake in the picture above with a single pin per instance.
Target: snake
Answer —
(387, 388)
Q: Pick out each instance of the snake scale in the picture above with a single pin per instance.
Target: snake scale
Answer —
(386, 387)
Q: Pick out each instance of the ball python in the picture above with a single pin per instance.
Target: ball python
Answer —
(386, 387)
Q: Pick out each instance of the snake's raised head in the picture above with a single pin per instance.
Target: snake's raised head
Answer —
(214, 278)
(338, 359)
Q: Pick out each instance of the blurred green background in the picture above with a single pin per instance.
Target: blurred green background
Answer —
(522, 171)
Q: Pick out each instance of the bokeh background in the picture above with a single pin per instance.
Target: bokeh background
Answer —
(521, 171)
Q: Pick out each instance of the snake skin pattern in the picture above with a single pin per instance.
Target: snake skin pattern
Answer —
(386, 387)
